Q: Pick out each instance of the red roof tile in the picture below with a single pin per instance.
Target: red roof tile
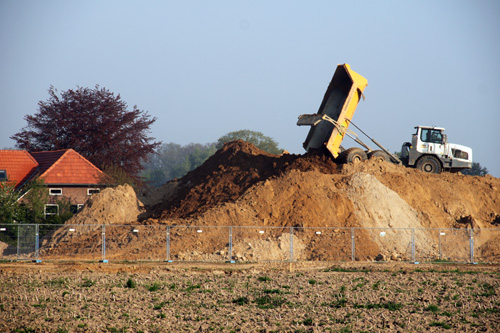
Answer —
(19, 164)
(66, 167)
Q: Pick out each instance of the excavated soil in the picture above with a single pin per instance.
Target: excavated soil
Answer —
(226, 176)
(241, 185)
(312, 190)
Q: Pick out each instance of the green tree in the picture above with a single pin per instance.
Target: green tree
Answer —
(258, 139)
(172, 160)
(10, 210)
(28, 205)
(114, 175)
(65, 213)
(476, 170)
(33, 202)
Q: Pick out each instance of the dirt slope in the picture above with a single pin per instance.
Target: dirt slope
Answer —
(118, 205)
(224, 177)
(110, 206)
(241, 185)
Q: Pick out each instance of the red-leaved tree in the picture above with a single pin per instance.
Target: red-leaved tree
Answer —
(95, 123)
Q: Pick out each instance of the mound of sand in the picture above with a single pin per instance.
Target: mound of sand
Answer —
(241, 185)
(114, 205)
(224, 177)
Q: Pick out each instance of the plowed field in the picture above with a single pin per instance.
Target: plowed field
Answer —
(77, 297)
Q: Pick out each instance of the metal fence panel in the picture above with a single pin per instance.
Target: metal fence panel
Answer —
(322, 244)
(26, 246)
(383, 244)
(486, 245)
(135, 242)
(261, 243)
(79, 241)
(9, 234)
(207, 243)
(426, 247)
(198, 243)
(454, 245)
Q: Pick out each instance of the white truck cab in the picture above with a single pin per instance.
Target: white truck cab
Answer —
(430, 151)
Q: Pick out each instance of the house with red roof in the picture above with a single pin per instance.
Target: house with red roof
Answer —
(65, 173)
(17, 167)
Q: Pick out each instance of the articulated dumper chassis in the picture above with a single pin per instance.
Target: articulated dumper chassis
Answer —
(331, 124)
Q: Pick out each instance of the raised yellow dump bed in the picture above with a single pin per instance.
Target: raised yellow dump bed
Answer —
(340, 102)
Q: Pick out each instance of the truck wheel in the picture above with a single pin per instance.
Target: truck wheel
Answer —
(429, 164)
(353, 155)
(379, 155)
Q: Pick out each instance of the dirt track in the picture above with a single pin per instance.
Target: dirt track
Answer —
(273, 297)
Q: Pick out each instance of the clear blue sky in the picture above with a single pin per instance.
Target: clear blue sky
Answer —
(205, 68)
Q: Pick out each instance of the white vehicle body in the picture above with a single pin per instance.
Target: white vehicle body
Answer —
(430, 151)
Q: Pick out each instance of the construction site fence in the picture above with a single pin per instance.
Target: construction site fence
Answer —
(104, 243)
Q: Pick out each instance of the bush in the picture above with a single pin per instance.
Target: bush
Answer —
(131, 283)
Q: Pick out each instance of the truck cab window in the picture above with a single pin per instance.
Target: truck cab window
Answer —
(430, 135)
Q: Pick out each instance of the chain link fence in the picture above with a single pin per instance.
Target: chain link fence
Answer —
(39, 242)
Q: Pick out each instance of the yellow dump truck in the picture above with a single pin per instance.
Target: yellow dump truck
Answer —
(329, 126)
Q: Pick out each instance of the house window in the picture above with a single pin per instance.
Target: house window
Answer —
(51, 209)
(75, 208)
(55, 191)
(91, 191)
(3, 175)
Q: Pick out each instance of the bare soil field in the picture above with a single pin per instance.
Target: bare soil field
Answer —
(166, 297)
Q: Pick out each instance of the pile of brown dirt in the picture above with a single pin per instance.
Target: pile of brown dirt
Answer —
(241, 185)
(111, 206)
(224, 177)
(117, 205)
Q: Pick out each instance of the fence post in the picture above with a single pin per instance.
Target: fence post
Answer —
(18, 241)
(471, 245)
(413, 246)
(37, 243)
(291, 244)
(168, 244)
(231, 245)
(440, 252)
(353, 245)
(103, 244)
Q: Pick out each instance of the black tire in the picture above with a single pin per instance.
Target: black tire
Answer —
(379, 155)
(429, 164)
(353, 155)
